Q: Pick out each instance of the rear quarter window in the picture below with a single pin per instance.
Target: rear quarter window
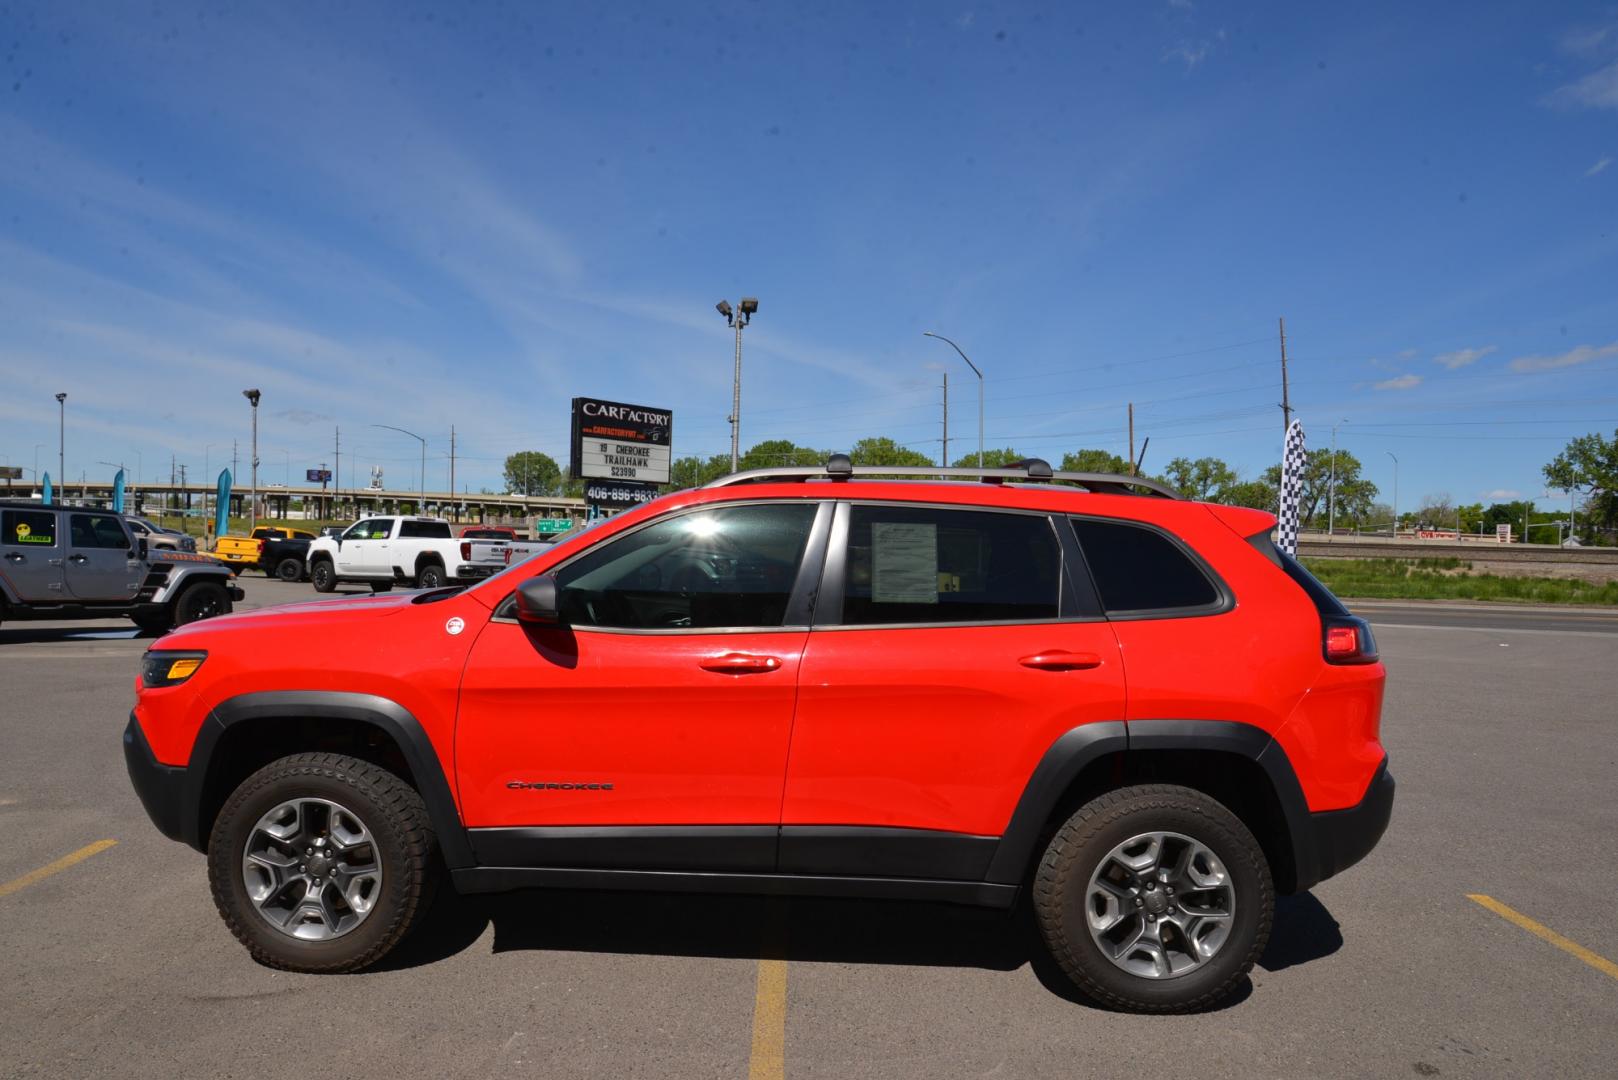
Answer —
(28, 528)
(1139, 571)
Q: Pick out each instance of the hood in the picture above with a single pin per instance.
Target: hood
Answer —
(293, 618)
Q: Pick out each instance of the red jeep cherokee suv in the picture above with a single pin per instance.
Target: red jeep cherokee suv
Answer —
(798, 681)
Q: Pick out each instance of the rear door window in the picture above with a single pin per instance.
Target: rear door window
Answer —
(1139, 571)
(28, 528)
(97, 531)
(916, 564)
(424, 530)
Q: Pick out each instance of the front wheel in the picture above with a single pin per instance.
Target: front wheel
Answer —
(323, 576)
(1154, 898)
(321, 862)
(203, 600)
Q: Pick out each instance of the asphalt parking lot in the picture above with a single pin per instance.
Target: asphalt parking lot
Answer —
(1502, 731)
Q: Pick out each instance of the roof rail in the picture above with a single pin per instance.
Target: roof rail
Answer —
(839, 468)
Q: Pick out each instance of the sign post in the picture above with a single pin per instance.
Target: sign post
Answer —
(623, 452)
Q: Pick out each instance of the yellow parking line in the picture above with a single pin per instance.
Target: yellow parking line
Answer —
(1539, 930)
(769, 1022)
(59, 865)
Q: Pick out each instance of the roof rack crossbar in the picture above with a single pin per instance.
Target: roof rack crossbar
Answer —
(1035, 470)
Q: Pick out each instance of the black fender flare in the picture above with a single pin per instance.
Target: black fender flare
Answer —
(1069, 755)
(389, 716)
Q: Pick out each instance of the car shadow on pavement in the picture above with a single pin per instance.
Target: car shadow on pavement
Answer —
(794, 928)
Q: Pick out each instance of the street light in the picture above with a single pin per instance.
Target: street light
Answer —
(252, 396)
(1331, 495)
(975, 371)
(738, 319)
(422, 509)
(1391, 454)
(61, 439)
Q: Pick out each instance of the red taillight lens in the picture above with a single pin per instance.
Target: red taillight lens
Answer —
(1342, 642)
(1348, 640)
(466, 551)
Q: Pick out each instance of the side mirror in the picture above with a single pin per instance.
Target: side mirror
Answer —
(141, 548)
(537, 601)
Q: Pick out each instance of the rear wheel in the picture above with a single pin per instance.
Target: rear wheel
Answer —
(323, 575)
(321, 862)
(203, 600)
(429, 576)
(289, 569)
(1154, 898)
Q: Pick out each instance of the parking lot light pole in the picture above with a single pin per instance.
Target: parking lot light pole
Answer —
(737, 318)
(1395, 457)
(422, 507)
(61, 438)
(975, 371)
(252, 515)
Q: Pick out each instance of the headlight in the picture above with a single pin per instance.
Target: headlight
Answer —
(168, 667)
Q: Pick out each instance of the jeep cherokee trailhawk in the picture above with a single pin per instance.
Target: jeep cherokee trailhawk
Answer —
(1080, 688)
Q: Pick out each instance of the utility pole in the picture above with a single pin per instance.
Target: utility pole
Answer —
(975, 371)
(737, 318)
(1286, 401)
(1391, 454)
(1131, 438)
(185, 496)
(455, 507)
(337, 469)
(944, 460)
(252, 397)
(61, 440)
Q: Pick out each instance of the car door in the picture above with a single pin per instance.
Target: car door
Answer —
(32, 554)
(376, 557)
(101, 561)
(951, 648)
(660, 709)
(353, 546)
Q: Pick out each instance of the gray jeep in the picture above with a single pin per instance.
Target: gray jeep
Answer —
(74, 562)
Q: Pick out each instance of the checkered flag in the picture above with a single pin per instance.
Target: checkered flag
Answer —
(1293, 460)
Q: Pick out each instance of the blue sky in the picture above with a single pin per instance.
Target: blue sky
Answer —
(426, 215)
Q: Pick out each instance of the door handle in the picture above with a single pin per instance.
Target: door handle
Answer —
(1061, 660)
(740, 664)
(14, 556)
(78, 558)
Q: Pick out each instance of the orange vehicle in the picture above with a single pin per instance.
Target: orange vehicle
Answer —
(1128, 705)
(246, 552)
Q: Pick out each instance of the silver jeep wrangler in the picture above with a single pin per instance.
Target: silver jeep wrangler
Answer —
(73, 562)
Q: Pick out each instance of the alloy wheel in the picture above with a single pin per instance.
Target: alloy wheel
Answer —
(311, 869)
(1160, 905)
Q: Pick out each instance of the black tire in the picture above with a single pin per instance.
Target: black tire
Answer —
(381, 586)
(323, 575)
(1062, 880)
(429, 576)
(289, 569)
(203, 600)
(400, 833)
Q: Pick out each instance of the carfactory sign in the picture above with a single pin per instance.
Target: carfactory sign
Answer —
(629, 444)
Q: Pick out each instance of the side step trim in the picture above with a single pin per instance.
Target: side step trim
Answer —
(485, 879)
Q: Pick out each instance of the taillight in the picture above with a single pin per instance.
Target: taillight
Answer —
(466, 551)
(1348, 640)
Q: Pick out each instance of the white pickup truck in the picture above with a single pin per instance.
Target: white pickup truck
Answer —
(386, 551)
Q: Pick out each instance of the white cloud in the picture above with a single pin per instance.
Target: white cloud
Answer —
(1192, 52)
(1588, 40)
(1597, 90)
(1462, 357)
(1501, 494)
(1403, 382)
(1581, 354)
(1606, 159)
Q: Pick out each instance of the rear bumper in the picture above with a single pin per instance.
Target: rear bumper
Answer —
(476, 571)
(1337, 839)
(161, 787)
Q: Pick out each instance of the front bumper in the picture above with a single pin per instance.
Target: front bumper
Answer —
(162, 788)
(1337, 839)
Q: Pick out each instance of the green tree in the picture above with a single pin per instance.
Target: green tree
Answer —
(530, 472)
(992, 459)
(1201, 479)
(692, 472)
(777, 453)
(1354, 493)
(1589, 464)
(1255, 494)
(1094, 461)
(880, 450)
(1509, 513)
